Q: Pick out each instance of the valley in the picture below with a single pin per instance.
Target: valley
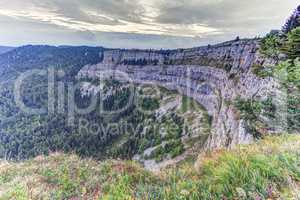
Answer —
(219, 121)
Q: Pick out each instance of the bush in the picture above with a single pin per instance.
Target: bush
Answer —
(270, 46)
(252, 111)
(291, 46)
(262, 71)
(288, 73)
(150, 104)
(249, 109)
(173, 148)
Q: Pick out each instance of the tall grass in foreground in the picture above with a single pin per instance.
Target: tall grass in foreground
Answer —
(269, 169)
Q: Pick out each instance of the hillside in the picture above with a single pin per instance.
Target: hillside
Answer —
(197, 123)
(240, 86)
(268, 169)
(43, 57)
(4, 49)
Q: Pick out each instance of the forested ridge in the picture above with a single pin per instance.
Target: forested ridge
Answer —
(23, 136)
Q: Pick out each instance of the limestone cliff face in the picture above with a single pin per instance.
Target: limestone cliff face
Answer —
(213, 75)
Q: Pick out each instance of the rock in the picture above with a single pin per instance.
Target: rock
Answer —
(213, 75)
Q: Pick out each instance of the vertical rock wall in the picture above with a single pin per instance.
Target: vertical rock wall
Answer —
(213, 75)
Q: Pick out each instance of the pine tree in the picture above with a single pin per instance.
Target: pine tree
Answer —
(292, 45)
(293, 21)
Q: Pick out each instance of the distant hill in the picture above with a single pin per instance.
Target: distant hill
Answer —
(4, 49)
(22, 59)
(43, 56)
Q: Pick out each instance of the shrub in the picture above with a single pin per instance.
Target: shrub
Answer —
(252, 111)
(172, 148)
(262, 71)
(291, 46)
(288, 73)
(150, 104)
(249, 109)
(270, 46)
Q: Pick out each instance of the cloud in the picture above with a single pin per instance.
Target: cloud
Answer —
(227, 15)
(43, 33)
(105, 15)
(104, 12)
(137, 23)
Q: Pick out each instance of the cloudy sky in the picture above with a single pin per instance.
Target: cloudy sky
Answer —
(138, 23)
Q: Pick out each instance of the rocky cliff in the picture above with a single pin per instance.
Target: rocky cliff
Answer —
(213, 75)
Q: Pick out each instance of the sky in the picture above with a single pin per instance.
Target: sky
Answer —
(138, 23)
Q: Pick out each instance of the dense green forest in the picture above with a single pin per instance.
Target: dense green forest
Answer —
(23, 135)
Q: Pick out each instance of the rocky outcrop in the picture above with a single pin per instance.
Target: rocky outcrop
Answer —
(213, 75)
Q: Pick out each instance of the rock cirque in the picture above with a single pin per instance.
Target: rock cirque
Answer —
(214, 75)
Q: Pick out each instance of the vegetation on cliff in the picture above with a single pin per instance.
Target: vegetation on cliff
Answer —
(254, 113)
(284, 48)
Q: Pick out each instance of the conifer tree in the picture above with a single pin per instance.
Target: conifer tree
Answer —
(293, 21)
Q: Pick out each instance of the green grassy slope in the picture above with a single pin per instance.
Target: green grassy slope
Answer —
(269, 169)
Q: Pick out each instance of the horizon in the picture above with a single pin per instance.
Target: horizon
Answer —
(141, 49)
